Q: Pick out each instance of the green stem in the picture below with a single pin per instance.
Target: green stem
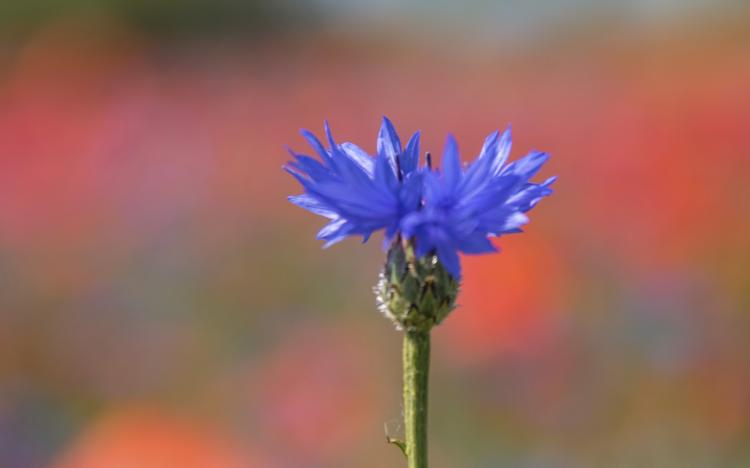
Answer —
(416, 374)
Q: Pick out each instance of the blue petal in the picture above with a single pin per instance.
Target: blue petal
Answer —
(359, 156)
(476, 243)
(352, 201)
(311, 167)
(491, 195)
(334, 232)
(410, 193)
(410, 158)
(317, 145)
(527, 166)
(329, 134)
(312, 204)
(388, 144)
(410, 222)
(390, 234)
(514, 221)
(423, 246)
(344, 164)
(529, 196)
(451, 163)
(384, 174)
(502, 151)
(478, 175)
(489, 148)
(449, 258)
(302, 179)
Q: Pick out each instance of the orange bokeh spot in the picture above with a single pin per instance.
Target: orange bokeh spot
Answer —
(506, 300)
(141, 438)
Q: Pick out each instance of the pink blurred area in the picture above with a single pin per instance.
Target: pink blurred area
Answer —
(163, 305)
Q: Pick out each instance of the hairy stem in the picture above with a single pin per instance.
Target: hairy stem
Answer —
(416, 374)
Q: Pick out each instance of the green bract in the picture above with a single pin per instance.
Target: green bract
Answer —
(415, 293)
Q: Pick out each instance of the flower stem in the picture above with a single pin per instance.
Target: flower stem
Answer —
(416, 374)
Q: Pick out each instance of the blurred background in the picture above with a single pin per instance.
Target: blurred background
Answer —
(162, 305)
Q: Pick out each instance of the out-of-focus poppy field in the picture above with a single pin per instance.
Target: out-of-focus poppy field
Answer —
(162, 304)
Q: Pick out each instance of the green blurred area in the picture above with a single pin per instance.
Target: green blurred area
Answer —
(161, 19)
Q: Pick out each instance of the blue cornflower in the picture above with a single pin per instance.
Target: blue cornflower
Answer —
(462, 209)
(360, 194)
(441, 212)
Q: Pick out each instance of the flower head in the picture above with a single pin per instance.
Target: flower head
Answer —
(463, 208)
(360, 194)
(439, 212)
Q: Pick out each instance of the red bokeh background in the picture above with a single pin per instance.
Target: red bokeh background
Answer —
(163, 305)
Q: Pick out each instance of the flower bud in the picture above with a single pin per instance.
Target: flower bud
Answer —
(415, 293)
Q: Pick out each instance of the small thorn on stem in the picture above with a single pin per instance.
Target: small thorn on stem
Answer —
(398, 443)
